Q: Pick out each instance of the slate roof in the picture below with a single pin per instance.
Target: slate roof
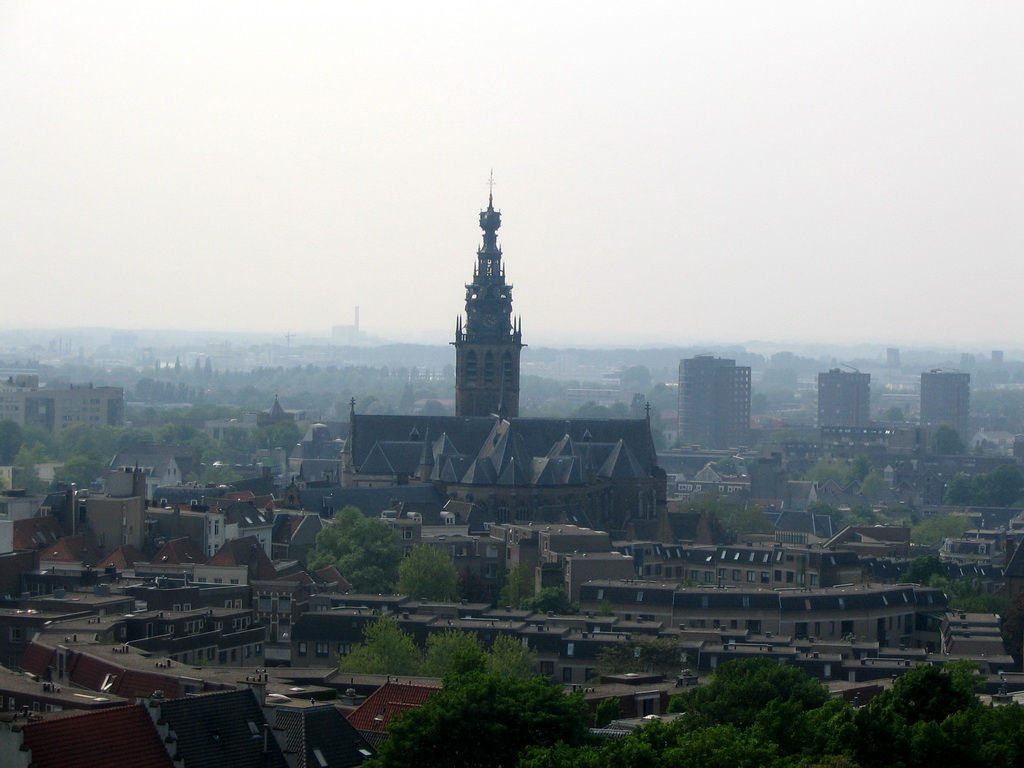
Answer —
(490, 451)
(323, 730)
(106, 738)
(371, 501)
(1015, 568)
(221, 730)
(387, 702)
(246, 515)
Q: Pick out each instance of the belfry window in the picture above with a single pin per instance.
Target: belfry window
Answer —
(471, 365)
(489, 367)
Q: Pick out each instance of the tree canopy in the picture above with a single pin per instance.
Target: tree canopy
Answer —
(428, 573)
(484, 720)
(365, 551)
(385, 650)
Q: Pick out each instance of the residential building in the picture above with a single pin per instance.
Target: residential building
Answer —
(843, 398)
(27, 404)
(946, 399)
(714, 402)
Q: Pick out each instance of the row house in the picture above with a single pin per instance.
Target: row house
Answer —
(772, 566)
(886, 614)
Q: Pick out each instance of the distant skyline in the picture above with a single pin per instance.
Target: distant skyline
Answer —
(668, 174)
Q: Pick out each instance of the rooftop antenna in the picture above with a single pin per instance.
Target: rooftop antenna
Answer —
(288, 339)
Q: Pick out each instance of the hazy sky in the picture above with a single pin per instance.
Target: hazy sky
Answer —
(668, 172)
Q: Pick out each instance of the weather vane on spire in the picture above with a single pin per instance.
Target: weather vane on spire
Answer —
(490, 187)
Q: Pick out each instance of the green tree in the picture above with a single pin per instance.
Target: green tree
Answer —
(551, 599)
(365, 550)
(385, 650)
(282, 434)
(219, 474)
(739, 690)
(81, 470)
(873, 486)
(26, 468)
(860, 467)
(934, 529)
(1001, 487)
(928, 692)
(946, 441)
(10, 441)
(607, 710)
(452, 652)
(894, 414)
(960, 490)
(641, 653)
(922, 568)
(428, 573)
(830, 469)
(483, 720)
(519, 586)
(509, 657)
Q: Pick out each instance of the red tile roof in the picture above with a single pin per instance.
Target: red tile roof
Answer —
(36, 659)
(122, 557)
(36, 532)
(71, 549)
(249, 552)
(178, 551)
(106, 738)
(388, 701)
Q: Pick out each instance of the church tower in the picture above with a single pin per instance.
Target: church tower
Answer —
(487, 347)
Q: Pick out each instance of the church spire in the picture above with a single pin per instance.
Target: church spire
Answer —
(487, 344)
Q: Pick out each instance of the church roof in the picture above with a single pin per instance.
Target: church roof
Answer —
(517, 451)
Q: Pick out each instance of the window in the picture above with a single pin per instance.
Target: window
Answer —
(766, 577)
(566, 674)
(322, 650)
(570, 649)
(751, 576)
(302, 649)
(737, 574)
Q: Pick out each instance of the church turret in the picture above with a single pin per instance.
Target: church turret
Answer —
(488, 344)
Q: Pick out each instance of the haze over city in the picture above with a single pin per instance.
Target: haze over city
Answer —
(668, 173)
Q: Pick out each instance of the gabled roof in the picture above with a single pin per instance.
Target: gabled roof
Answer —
(71, 549)
(388, 701)
(1015, 567)
(320, 737)
(245, 551)
(221, 730)
(178, 551)
(621, 464)
(106, 738)
(246, 515)
(125, 556)
(36, 532)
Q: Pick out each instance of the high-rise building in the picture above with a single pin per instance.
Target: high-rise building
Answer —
(27, 404)
(843, 398)
(714, 402)
(946, 399)
(487, 348)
